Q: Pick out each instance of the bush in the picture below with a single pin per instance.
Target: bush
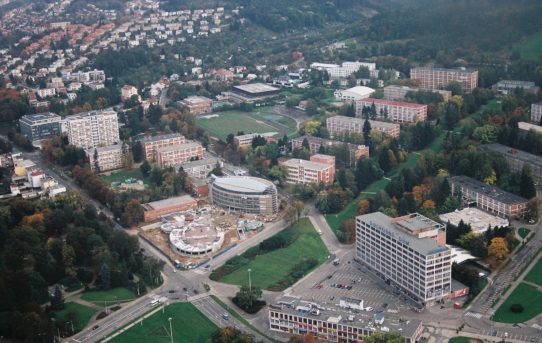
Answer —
(101, 315)
(256, 305)
(516, 308)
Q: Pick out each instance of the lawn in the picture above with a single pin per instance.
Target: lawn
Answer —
(461, 339)
(523, 232)
(116, 294)
(535, 275)
(527, 296)
(272, 267)
(233, 122)
(85, 313)
(531, 48)
(188, 324)
(286, 122)
(121, 175)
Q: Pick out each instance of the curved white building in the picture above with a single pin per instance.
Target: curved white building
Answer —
(196, 240)
(244, 194)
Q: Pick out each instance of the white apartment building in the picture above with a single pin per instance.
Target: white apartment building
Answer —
(337, 125)
(92, 129)
(398, 111)
(536, 112)
(177, 154)
(105, 158)
(307, 172)
(438, 78)
(410, 252)
(150, 143)
(344, 70)
(199, 169)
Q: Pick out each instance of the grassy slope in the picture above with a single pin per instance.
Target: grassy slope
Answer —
(123, 175)
(531, 48)
(528, 296)
(272, 267)
(535, 275)
(188, 324)
(85, 313)
(115, 294)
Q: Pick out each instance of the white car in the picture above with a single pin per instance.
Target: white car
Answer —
(369, 309)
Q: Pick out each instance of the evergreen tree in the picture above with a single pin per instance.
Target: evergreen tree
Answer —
(96, 164)
(57, 301)
(305, 144)
(526, 185)
(145, 168)
(367, 132)
(105, 274)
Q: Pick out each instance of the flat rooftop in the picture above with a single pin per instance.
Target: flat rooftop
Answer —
(460, 70)
(196, 99)
(106, 148)
(327, 142)
(514, 153)
(256, 88)
(374, 123)
(522, 125)
(424, 246)
(247, 184)
(296, 162)
(45, 116)
(416, 222)
(393, 103)
(476, 218)
(202, 162)
(333, 313)
(187, 145)
(488, 190)
(157, 138)
(160, 204)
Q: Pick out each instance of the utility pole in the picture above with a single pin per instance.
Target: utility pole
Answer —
(170, 330)
(249, 280)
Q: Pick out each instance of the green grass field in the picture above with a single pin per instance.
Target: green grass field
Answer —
(531, 48)
(116, 294)
(85, 313)
(523, 232)
(232, 122)
(121, 175)
(269, 268)
(526, 295)
(461, 339)
(535, 275)
(188, 324)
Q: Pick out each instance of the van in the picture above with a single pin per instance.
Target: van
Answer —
(155, 302)
(336, 261)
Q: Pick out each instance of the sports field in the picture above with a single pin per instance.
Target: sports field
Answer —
(525, 295)
(221, 124)
(121, 175)
(188, 324)
(269, 268)
(84, 315)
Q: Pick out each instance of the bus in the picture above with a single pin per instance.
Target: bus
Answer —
(155, 302)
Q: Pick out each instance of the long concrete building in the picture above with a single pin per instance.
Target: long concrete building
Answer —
(94, 128)
(151, 143)
(39, 126)
(394, 92)
(439, 78)
(341, 124)
(410, 252)
(244, 194)
(397, 111)
(316, 143)
(105, 158)
(176, 154)
(489, 198)
(516, 159)
(320, 169)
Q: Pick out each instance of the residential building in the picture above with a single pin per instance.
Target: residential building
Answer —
(409, 252)
(127, 92)
(176, 154)
(156, 209)
(46, 92)
(478, 220)
(353, 94)
(525, 127)
(338, 125)
(245, 194)
(344, 70)
(312, 171)
(105, 158)
(151, 143)
(40, 126)
(394, 92)
(246, 140)
(536, 112)
(94, 128)
(331, 323)
(316, 144)
(200, 169)
(397, 111)
(488, 197)
(505, 87)
(197, 104)
(516, 159)
(439, 78)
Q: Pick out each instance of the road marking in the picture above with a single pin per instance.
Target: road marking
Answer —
(473, 314)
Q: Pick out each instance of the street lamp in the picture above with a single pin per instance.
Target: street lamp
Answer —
(249, 280)
(170, 330)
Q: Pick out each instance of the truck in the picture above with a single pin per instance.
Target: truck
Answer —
(336, 261)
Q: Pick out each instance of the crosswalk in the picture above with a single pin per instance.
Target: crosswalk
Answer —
(473, 314)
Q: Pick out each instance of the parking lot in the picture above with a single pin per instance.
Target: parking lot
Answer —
(348, 279)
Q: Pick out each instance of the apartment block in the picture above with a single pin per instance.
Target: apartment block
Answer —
(319, 169)
(338, 125)
(439, 78)
(516, 159)
(197, 104)
(177, 154)
(397, 111)
(92, 129)
(246, 140)
(317, 143)
(40, 126)
(536, 112)
(150, 143)
(127, 92)
(410, 252)
(344, 70)
(105, 158)
(505, 87)
(488, 198)
(394, 92)
(200, 169)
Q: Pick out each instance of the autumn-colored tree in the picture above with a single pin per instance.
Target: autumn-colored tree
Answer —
(363, 206)
(307, 338)
(349, 231)
(35, 221)
(428, 204)
(498, 248)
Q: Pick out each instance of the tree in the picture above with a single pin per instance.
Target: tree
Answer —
(105, 275)
(133, 213)
(258, 141)
(279, 173)
(367, 132)
(516, 308)
(232, 335)
(532, 209)
(249, 299)
(145, 168)
(307, 338)
(498, 248)
(527, 188)
(57, 301)
(95, 161)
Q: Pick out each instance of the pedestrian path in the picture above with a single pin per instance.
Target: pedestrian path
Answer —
(473, 314)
